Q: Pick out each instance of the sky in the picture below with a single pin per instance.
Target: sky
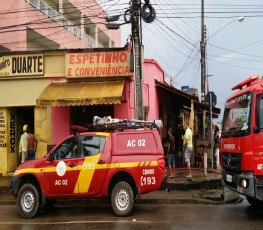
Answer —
(234, 49)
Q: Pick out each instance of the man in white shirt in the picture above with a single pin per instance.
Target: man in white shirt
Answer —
(188, 147)
(23, 144)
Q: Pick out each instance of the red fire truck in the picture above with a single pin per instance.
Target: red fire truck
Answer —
(242, 140)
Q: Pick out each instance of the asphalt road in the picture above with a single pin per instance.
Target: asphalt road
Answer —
(234, 216)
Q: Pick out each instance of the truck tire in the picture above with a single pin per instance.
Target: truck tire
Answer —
(28, 201)
(122, 199)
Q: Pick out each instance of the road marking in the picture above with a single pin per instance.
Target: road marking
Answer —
(81, 222)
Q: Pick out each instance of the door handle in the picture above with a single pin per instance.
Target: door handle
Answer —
(101, 162)
(71, 165)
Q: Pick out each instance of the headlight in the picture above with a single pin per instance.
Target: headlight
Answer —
(243, 183)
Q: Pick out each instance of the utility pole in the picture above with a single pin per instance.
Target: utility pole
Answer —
(211, 129)
(203, 50)
(203, 65)
(137, 52)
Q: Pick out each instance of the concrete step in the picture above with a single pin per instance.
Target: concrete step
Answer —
(5, 181)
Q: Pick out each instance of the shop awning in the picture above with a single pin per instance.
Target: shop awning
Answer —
(84, 93)
(175, 91)
(16, 93)
(187, 97)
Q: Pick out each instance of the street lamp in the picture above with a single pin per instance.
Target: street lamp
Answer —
(203, 44)
(114, 26)
(113, 18)
(239, 19)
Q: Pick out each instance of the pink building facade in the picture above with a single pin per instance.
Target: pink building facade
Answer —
(54, 24)
(161, 101)
(124, 110)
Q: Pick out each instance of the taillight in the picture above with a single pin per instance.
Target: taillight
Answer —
(161, 163)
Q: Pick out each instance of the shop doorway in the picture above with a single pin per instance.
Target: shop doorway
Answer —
(83, 115)
(25, 115)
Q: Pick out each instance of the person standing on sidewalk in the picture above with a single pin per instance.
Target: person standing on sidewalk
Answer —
(171, 153)
(188, 147)
(217, 146)
(31, 145)
(23, 145)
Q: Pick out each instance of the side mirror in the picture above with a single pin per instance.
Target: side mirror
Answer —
(51, 156)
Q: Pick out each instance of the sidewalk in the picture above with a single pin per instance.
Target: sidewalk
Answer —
(179, 190)
(198, 180)
(200, 190)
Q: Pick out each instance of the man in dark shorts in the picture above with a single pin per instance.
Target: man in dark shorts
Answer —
(171, 153)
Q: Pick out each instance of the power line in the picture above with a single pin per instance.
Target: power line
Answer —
(233, 51)
(175, 32)
(240, 67)
(180, 29)
(242, 47)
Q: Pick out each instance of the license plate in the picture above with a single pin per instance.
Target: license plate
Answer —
(229, 178)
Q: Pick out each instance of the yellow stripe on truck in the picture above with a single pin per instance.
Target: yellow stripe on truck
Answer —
(102, 134)
(40, 170)
(30, 170)
(154, 163)
(87, 170)
(88, 160)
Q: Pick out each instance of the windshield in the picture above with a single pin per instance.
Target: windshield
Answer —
(237, 115)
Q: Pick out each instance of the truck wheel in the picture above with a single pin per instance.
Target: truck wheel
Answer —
(122, 199)
(254, 202)
(28, 201)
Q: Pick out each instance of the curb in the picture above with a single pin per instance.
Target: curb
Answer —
(206, 201)
(195, 185)
(5, 190)
(7, 202)
(200, 170)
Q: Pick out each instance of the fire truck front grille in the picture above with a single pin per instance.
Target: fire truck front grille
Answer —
(232, 162)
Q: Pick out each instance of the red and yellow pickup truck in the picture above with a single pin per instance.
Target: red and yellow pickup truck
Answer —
(120, 164)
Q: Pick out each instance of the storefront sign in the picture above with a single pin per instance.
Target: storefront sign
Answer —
(12, 132)
(100, 64)
(11, 135)
(2, 129)
(21, 65)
